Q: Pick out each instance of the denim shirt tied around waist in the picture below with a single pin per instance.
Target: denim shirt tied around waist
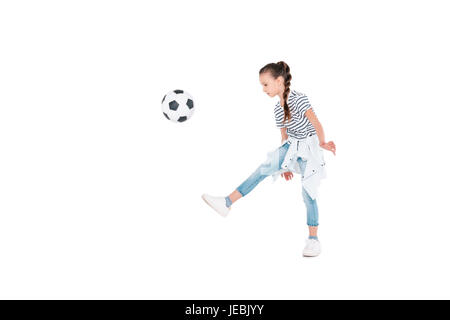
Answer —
(309, 150)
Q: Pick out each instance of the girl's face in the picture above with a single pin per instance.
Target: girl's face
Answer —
(271, 86)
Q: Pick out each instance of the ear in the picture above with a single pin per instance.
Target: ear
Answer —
(280, 80)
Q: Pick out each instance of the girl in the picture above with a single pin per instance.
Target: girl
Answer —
(301, 136)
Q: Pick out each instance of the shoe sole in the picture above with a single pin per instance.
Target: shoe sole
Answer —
(222, 215)
(310, 256)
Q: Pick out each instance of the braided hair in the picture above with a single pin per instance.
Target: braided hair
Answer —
(280, 69)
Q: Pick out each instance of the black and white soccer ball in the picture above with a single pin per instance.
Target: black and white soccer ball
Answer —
(177, 105)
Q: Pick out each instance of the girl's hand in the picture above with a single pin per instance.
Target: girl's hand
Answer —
(287, 175)
(329, 146)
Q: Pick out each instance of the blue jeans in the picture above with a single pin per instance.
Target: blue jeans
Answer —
(272, 165)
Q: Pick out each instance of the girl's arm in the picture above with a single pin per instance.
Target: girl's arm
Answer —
(284, 135)
(315, 122)
(320, 134)
(287, 175)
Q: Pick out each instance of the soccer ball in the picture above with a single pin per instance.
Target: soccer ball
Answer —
(177, 106)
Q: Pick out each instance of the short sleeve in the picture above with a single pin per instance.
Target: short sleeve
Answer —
(279, 115)
(280, 124)
(301, 105)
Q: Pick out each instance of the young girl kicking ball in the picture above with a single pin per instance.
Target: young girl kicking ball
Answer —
(302, 138)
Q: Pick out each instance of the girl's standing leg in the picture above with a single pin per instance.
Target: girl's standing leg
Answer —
(312, 211)
(266, 169)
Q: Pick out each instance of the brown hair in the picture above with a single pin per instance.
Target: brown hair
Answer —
(280, 69)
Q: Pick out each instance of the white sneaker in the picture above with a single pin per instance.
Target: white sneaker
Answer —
(217, 203)
(312, 248)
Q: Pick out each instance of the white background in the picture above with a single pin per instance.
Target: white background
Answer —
(100, 194)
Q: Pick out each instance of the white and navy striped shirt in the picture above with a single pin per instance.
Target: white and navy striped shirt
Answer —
(299, 126)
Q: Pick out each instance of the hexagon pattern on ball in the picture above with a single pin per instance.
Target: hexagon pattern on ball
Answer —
(177, 106)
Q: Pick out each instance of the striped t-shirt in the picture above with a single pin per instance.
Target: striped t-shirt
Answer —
(299, 126)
